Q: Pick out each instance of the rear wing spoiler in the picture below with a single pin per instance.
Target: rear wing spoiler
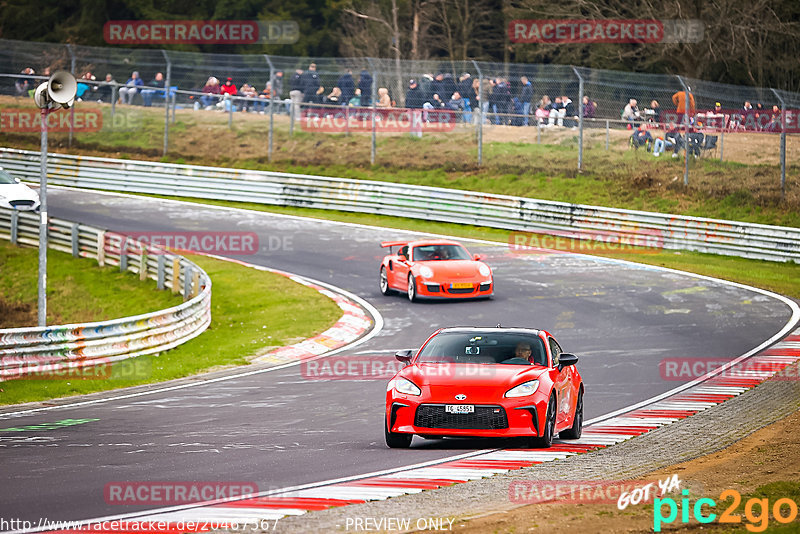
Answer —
(385, 244)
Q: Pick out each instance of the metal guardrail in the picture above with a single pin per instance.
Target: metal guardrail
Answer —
(747, 240)
(54, 350)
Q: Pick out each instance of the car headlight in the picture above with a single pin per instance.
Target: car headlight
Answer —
(524, 389)
(484, 270)
(425, 272)
(407, 386)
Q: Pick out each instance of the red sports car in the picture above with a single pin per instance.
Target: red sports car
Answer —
(485, 382)
(434, 269)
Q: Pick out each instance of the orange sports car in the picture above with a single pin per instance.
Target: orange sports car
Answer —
(434, 269)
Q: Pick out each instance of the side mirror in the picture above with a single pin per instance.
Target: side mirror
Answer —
(404, 355)
(566, 359)
(477, 257)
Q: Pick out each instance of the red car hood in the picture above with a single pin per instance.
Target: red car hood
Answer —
(440, 382)
(455, 269)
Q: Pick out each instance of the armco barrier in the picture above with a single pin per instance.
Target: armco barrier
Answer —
(57, 349)
(746, 240)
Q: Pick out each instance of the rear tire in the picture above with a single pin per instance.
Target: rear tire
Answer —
(384, 282)
(546, 439)
(412, 288)
(395, 440)
(577, 423)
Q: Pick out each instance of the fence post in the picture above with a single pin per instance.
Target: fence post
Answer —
(101, 249)
(72, 108)
(687, 107)
(123, 255)
(166, 100)
(187, 282)
(161, 273)
(113, 103)
(271, 107)
(14, 226)
(721, 143)
(580, 118)
(783, 143)
(176, 275)
(195, 283)
(480, 113)
(143, 264)
(75, 235)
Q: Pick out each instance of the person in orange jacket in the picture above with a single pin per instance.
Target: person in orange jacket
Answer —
(679, 99)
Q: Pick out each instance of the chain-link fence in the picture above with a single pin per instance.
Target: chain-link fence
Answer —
(184, 98)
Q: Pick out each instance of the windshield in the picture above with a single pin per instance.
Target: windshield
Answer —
(440, 252)
(484, 347)
(6, 178)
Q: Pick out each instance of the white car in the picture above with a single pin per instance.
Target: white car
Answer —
(16, 195)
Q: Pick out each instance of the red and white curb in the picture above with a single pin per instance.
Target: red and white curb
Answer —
(716, 387)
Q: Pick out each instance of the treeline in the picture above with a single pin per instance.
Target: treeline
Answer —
(746, 42)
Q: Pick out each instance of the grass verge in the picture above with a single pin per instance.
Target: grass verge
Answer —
(251, 312)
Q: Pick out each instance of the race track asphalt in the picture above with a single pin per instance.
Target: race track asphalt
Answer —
(280, 429)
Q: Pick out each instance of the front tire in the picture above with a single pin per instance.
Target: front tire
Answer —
(384, 282)
(412, 288)
(546, 439)
(395, 440)
(577, 423)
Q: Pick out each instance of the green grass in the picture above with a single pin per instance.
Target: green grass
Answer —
(783, 278)
(251, 311)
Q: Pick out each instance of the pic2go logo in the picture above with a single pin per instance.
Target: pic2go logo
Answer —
(756, 511)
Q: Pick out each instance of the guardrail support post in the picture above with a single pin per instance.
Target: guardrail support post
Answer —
(176, 275)
(75, 235)
(162, 268)
(101, 249)
(14, 226)
(123, 255)
(143, 266)
(195, 283)
(188, 272)
(721, 144)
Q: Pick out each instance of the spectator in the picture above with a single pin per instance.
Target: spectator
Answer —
(264, 98)
(414, 97)
(449, 85)
(775, 120)
(22, 86)
(84, 90)
(661, 144)
(384, 100)
(569, 111)
(365, 84)
(487, 88)
(542, 113)
(348, 87)
(503, 103)
(681, 107)
(761, 122)
(156, 83)
(310, 83)
(557, 113)
(212, 93)
(248, 91)
(457, 104)
(437, 86)
(467, 88)
(631, 113)
(740, 120)
(106, 89)
(335, 96)
(653, 113)
(228, 91)
(356, 100)
(641, 137)
(588, 108)
(132, 86)
(296, 92)
(525, 97)
(277, 83)
(319, 96)
(715, 118)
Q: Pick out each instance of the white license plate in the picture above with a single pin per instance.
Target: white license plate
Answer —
(459, 408)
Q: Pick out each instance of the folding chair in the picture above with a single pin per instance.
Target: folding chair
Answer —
(709, 144)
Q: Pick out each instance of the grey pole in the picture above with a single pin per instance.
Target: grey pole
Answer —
(373, 146)
(686, 131)
(580, 119)
(608, 127)
(783, 143)
(42, 283)
(480, 114)
(72, 109)
(271, 107)
(166, 101)
(721, 143)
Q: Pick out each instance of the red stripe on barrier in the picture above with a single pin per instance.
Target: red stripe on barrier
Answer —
(305, 503)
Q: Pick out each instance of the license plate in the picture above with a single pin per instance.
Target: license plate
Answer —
(459, 408)
(461, 285)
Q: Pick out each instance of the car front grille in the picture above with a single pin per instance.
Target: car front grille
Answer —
(483, 418)
(460, 290)
(22, 204)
